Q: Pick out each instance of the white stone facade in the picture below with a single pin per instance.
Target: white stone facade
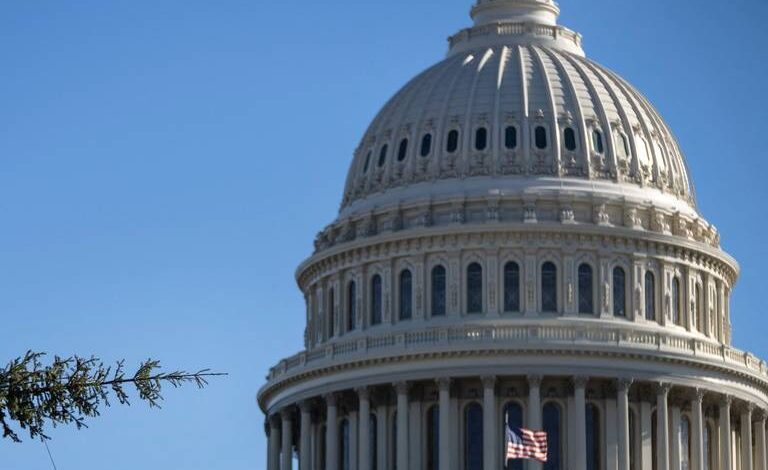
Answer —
(538, 259)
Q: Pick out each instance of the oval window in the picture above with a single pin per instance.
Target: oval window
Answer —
(453, 141)
(426, 145)
(481, 138)
(597, 137)
(510, 137)
(402, 152)
(570, 139)
(383, 155)
(541, 138)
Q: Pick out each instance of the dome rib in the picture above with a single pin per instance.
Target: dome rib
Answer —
(555, 126)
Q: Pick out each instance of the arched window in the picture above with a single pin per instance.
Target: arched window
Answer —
(549, 288)
(675, 303)
(373, 441)
(473, 437)
(597, 140)
(433, 438)
(685, 443)
(650, 296)
(510, 137)
(367, 162)
(406, 295)
(481, 138)
(625, 145)
(383, 155)
(351, 305)
(513, 417)
(452, 143)
(438, 291)
(511, 287)
(331, 312)
(540, 136)
(402, 151)
(426, 145)
(376, 300)
(569, 137)
(474, 288)
(344, 450)
(586, 291)
(594, 455)
(552, 426)
(619, 292)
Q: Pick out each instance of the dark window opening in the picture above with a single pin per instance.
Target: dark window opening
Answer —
(481, 139)
(453, 141)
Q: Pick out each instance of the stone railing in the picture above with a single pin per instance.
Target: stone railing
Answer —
(515, 29)
(520, 337)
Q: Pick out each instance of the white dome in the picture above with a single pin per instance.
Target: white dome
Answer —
(596, 133)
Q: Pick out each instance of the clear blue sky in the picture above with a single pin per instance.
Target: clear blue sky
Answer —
(165, 165)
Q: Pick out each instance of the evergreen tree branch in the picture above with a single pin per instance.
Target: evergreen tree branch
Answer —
(34, 396)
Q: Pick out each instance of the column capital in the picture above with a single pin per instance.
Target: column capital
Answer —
(580, 381)
(402, 387)
(363, 393)
(698, 395)
(534, 380)
(331, 399)
(663, 388)
(443, 383)
(305, 406)
(489, 381)
(286, 414)
(749, 408)
(726, 400)
(274, 421)
(624, 384)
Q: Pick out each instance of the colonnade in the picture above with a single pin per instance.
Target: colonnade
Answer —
(639, 428)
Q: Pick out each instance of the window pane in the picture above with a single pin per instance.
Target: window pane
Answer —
(331, 312)
(473, 437)
(552, 426)
(383, 155)
(433, 438)
(586, 296)
(474, 288)
(512, 287)
(453, 141)
(619, 292)
(676, 302)
(351, 306)
(513, 417)
(549, 288)
(402, 152)
(570, 139)
(541, 138)
(406, 295)
(376, 300)
(597, 137)
(426, 145)
(438, 291)
(510, 137)
(650, 296)
(481, 138)
(593, 438)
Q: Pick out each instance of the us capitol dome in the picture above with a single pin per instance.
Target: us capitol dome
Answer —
(518, 244)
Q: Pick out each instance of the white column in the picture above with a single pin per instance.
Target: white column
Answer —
(697, 432)
(305, 453)
(579, 432)
(331, 433)
(746, 438)
(646, 433)
(287, 447)
(364, 441)
(675, 415)
(534, 412)
(273, 453)
(402, 425)
(725, 433)
(489, 423)
(662, 427)
(611, 434)
(622, 399)
(353, 442)
(760, 443)
(444, 386)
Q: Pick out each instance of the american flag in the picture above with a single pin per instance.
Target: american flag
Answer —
(526, 444)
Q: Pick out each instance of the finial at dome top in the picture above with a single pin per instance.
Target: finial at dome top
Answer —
(515, 11)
